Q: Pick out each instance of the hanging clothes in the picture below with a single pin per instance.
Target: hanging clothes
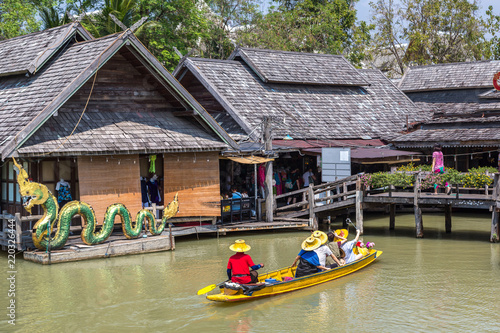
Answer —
(63, 192)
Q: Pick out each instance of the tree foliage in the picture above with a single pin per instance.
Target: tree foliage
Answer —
(434, 31)
(19, 17)
(327, 26)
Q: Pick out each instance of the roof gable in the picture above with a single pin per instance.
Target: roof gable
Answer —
(28, 53)
(450, 76)
(26, 103)
(300, 68)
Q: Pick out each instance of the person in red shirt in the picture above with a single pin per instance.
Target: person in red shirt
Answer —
(238, 265)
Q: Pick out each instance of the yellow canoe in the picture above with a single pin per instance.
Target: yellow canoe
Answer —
(282, 286)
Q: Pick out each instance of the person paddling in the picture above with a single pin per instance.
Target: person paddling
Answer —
(238, 265)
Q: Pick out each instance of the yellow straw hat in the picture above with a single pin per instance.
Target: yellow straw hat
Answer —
(342, 233)
(239, 246)
(311, 243)
(321, 235)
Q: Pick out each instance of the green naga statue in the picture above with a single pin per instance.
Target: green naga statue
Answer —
(38, 194)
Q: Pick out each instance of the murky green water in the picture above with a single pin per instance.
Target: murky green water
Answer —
(442, 283)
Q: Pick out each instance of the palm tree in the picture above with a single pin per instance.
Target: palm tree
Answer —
(100, 23)
(51, 17)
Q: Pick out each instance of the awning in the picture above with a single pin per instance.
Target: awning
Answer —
(250, 159)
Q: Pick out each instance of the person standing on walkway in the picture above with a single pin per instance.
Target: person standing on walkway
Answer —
(438, 167)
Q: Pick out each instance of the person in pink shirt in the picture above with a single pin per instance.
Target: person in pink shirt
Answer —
(438, 167)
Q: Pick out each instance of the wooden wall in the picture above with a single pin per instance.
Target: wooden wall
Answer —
(104, 183)
(196, 177)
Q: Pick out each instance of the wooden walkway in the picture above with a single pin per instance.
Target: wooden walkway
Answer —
(347, 194)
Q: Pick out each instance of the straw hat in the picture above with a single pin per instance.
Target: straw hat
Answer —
(342, 233)
(239, 246)
(311, 243)
(321, 235)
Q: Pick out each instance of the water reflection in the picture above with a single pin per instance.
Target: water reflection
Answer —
(430, 284)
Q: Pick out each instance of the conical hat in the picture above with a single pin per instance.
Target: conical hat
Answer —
(321, 235)
(311, 243)
(239, 246)
(342, 233)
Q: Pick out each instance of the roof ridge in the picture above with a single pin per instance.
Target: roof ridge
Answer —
(293, 52)
(454, 63)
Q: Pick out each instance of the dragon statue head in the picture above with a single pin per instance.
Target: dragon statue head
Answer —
(32, 193)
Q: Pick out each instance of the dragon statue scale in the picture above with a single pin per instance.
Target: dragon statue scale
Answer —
(38, 194)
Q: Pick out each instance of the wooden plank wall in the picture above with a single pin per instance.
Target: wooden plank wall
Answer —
(196, 177)
(103, 183)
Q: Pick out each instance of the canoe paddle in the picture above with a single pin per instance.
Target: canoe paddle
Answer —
(209, 288)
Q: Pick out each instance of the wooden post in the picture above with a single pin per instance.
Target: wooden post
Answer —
(269, 170)
(4, 231)
(447, 218)
(337, 188)
(344, 188)
(313, 223)
(495, 230)
(359, 206)
(391, 188)
(170, 236)
(419, 228)
(494, 237)
(19, 232)
(392, 216)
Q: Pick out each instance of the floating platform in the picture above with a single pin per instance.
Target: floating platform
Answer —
(116, 245)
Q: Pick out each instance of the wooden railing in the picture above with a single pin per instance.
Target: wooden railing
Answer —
(16, 231)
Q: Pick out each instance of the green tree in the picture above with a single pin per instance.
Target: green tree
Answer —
(492, 46)
(388, 47)
(327, 26)
(101, 24)
(436, 31)
(51, 17)
(19, 17)
(226, 19)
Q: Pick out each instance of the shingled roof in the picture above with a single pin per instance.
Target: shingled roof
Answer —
(28, 105)
(119, 132)
(464, 108)
(28, 53)
(302, 110)
(300, 68)
(459, 75)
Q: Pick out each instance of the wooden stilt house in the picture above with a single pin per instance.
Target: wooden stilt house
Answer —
(101, 114)
(463, 109)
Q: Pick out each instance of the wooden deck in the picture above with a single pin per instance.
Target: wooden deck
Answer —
(116, 245)
(347, 194)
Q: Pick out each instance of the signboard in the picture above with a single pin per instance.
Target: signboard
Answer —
(495, 81)
(336, 163)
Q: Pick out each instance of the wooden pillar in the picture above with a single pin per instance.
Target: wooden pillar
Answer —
(495, 211)
(494, 237)
(419, 227)
(269, 171)
(392, 216)
(359, 206)
(19, 232)
(447, 218)
(313, 222)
